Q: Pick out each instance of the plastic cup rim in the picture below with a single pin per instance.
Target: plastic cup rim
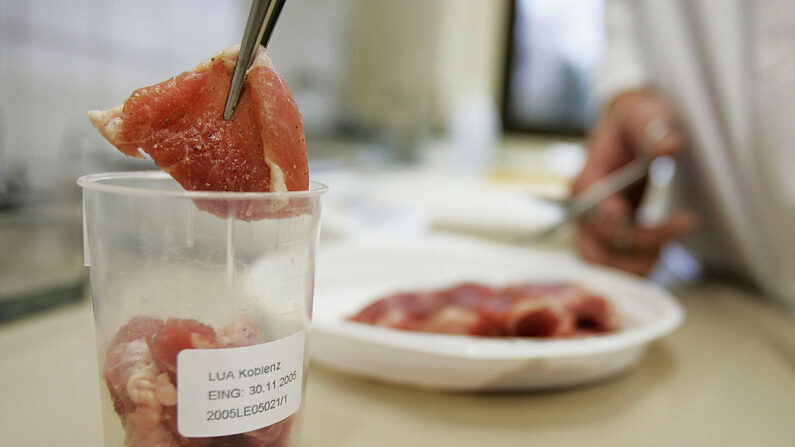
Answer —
(102, 182)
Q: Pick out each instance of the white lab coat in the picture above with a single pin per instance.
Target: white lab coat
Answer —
(728, 68)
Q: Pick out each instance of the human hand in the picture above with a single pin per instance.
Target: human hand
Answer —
(635, 121)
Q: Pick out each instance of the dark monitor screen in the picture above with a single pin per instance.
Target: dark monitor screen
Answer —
(553, 53)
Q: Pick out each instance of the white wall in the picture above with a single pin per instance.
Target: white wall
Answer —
(309, 49)
(59, 59)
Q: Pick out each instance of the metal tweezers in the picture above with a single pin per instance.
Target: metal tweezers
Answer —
(615, 182)
(261, 21)
(588, 199)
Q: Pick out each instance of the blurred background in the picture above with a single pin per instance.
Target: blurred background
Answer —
(456, 116)
(434, 104)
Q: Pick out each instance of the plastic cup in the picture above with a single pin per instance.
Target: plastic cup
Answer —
(202, 303)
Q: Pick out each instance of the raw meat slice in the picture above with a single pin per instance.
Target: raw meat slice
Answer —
(170, 421)
(128, 355)
(143, 428)
(592, 313)
(139, 390)
(136, 329)
(452, 319)
(176, 335)
(180, 124)
(272, 436)
(140, 371)
(265, 436)
(537, 317)
(547, 310)
(243, 332)
(466, 294)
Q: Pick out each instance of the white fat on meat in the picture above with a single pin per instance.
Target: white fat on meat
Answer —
(393, 317)
(142, 379)
(452, 320)
(229, 56)
(108, 122)
(243, 332)
(150, 390)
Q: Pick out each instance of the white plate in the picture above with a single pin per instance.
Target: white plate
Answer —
(408, 199)
(352, 274)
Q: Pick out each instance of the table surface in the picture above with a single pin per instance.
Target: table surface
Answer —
(727, 377)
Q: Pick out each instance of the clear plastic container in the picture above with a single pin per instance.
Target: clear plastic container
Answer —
(202, 303)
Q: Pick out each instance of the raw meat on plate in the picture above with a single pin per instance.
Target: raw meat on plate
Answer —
(140, 372)
(521, 310)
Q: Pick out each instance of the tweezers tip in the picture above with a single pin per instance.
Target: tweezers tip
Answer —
(228, 113)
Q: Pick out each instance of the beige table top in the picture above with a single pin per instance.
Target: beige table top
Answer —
(727, 378)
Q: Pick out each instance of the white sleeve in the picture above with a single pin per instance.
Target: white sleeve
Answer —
(622, 66)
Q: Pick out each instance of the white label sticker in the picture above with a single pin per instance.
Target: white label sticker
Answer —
(236, 390)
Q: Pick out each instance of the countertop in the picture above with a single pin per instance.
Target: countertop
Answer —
(726, 377)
